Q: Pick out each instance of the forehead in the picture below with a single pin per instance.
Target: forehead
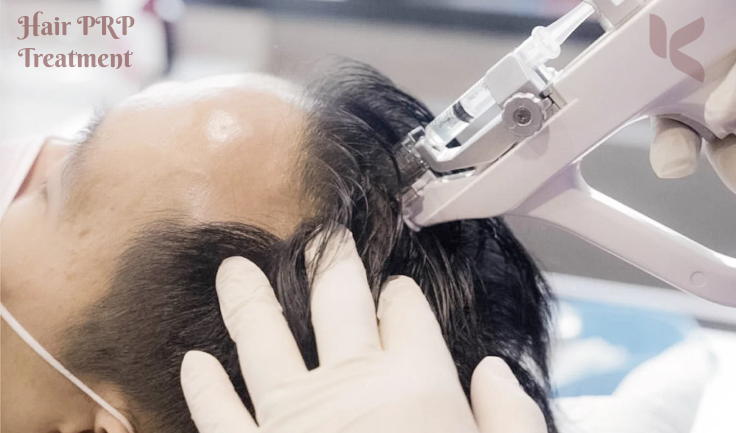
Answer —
(226, 112)
(222, 148)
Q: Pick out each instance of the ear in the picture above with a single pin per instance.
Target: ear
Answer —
(106, 423)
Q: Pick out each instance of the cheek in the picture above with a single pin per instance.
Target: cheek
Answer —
(27, 387)
(24, 246)
(40, 284)
(34, 396)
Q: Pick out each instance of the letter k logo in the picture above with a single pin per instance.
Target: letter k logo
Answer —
(686, 35)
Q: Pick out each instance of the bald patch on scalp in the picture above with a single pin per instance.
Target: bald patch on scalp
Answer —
(174, 92)
(218, 149)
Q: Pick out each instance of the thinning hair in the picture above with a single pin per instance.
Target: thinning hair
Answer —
(487, 293)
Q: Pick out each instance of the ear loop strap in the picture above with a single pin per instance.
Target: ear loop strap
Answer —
(10, 320)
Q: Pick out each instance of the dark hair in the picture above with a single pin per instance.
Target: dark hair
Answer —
(487, 293)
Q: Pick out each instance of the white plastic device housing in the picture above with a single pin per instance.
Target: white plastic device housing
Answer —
(616, 81)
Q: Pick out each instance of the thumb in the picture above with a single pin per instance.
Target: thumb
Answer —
(722, 155)
(720, 109)
(675, 150)
(499, 402)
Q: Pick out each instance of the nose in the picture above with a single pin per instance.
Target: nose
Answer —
(52, 153)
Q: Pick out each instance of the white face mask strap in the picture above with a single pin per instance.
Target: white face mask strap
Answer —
(10, 320)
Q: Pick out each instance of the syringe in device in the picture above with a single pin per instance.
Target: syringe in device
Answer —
(543, 45)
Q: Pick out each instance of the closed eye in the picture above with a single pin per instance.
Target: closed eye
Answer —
(43, 190)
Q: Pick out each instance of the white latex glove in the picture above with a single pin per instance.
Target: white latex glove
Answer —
(674, 153)
(394, 376)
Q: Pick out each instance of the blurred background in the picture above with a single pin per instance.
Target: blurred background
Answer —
(434, 49)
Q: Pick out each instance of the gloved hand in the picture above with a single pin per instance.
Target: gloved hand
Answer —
(676, 147)
(394, 376)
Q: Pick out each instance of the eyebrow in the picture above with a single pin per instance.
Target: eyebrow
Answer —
(78, 154)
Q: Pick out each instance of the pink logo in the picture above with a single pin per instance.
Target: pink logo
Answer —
(686, 35)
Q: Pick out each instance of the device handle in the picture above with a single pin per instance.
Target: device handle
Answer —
(567, 202)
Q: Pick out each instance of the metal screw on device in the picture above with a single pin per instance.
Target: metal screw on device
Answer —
(524, 114)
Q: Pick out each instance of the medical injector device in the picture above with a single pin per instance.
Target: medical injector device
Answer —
(525, 160)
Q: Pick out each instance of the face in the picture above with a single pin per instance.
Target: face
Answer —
(219, 149)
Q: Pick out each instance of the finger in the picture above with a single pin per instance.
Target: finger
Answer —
(343, 312)
(407, 324)
(500, 403)
(722, 155)
(253, 316)
(674, 153)
(212, 400)
(720, 109)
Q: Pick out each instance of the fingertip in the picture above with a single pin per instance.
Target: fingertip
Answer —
(722, 156)
(720, 108)
(198, 369)
(407, 323)
(341, 238)
(500, 403)
(493, 368)
(398, 284)
(190, 357)
(342, 306)
(242, 288)
(713, 116)
(310, 251)
(234, 263)
(210, 396)
(675, 151)
(194, 361)
(235, 272)
(399, 288)
(230, 265)
(196, 357)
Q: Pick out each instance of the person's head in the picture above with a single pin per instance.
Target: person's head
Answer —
(111, 263)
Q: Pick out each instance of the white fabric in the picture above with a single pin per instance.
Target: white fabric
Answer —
(394, 376)
(16, 160)
(660, 396)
